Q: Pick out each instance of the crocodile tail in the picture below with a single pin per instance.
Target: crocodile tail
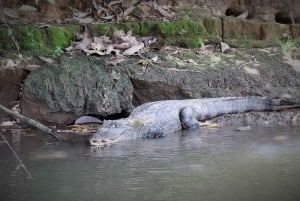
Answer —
(257, 103)
(244, 104)
(279, 104)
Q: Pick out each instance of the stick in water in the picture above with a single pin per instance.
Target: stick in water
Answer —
(32, 122)
(17, 157)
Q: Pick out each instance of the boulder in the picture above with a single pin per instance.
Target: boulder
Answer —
(218, 77)
(75, 87)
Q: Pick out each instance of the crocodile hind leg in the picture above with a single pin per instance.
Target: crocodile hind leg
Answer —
(188, 118)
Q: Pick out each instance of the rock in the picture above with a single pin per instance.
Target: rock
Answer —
(76, 87)
(215, 79)
(10, 85)
(251, 33)
(87, 120)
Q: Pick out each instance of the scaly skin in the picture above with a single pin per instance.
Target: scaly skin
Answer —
(156, 119)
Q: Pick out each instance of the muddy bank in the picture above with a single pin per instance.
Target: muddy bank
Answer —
(80, 85)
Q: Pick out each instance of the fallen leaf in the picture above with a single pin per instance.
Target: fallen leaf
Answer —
(31, 67)
(128, 11)
(115, 60)
(165, 13)
(143, 62)
(86, 20)
(154, 59)
(10, 13)
(109, 17)
(7, 123)
(27, 8)
(83, 14)
(244, 15)
(224, 47)
(47, 60)
(134, 49)
(9, 63)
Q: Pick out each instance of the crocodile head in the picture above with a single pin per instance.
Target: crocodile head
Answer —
(110, 132)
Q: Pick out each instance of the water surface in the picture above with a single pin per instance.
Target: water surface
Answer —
(208, 164)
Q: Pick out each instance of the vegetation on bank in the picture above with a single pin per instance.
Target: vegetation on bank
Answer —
(51, 40)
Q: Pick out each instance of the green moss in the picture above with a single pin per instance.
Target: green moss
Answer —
(101, 29)
(188, 32)
(213, 28)
(195, 42)
(6, 38)
(62, 36)
(29, 37)
(180, 27)
(126, 26)
(147, 27)
(166, 28)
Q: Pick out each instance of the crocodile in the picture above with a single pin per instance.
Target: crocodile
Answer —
(156, 119)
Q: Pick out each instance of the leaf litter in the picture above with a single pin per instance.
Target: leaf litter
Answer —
(120, 46)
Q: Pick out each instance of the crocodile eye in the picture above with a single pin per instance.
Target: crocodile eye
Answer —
(114, 125)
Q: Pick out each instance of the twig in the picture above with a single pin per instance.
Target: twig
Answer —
(32, 122)
(17, 157)
(244, 64)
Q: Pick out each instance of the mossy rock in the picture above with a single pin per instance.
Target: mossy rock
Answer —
(76, 87)
(39, 40)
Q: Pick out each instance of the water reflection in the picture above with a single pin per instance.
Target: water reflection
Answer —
(217, 164)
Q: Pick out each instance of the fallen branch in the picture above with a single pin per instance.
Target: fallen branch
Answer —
(21, 164)
(32, 122)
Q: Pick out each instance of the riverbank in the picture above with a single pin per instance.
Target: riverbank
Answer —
(75, 84)
(188, 58)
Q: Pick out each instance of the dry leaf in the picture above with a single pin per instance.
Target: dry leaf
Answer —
(134, 49)
(143, 62)
(165, 13)
(115, 60)
(109, 17)
(7, 123)
(154, 59)
(224, 47)
(31, 67)
(47, 60)
(244, 15)
(27, 8)
(10, 13)
(9, 63)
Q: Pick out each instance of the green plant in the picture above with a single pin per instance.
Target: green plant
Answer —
(73, 10)
(288, 43)
(58, 51)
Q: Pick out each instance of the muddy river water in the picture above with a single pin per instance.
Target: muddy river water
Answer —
(260, 164)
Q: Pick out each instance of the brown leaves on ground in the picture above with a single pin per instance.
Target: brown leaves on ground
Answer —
(121, 45)
(96, 11)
